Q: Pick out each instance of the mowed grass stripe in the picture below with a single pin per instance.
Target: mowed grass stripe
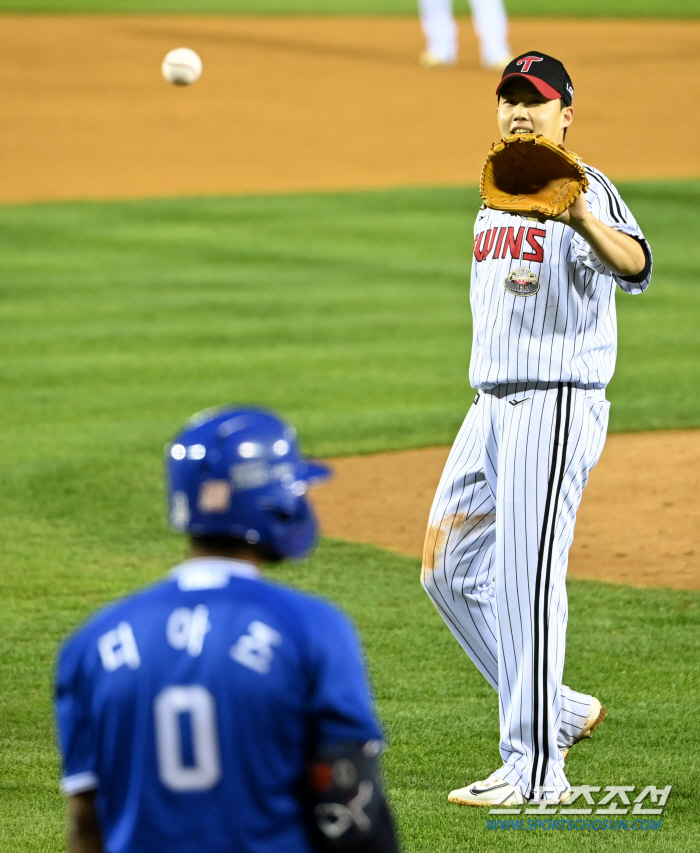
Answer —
(334, 309)
(517, 8)
(348, 312)
(635, 649)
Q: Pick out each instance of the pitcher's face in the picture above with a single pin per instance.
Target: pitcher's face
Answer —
(522, 109)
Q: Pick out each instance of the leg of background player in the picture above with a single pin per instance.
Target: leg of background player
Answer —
(458, 564)
(491, 27)
(440, 32)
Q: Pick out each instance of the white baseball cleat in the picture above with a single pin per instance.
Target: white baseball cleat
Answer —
(432, 60)
(596, 715)
(491, 792)
(495, 792)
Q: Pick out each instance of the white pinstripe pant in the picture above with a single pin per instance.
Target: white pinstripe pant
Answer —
(496, 554)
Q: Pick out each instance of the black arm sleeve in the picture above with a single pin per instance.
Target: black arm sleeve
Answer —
(636, 279)
(349, 812)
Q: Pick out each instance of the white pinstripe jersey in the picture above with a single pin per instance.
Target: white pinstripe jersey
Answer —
(567, 330)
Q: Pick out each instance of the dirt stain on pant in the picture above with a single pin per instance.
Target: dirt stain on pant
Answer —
(437, 535)
(435, 539)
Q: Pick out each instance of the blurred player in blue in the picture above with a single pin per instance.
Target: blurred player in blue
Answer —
(216, 712)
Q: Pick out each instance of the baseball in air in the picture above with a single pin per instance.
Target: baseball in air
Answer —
(182, 66)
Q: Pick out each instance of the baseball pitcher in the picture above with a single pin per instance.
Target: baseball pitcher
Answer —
(502, 522)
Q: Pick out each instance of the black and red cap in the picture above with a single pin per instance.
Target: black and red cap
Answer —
(546, 74)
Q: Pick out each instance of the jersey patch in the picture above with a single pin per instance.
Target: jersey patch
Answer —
(522, 282)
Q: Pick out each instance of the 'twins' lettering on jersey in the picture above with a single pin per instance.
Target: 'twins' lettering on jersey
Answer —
(506, 242)
(543, 304)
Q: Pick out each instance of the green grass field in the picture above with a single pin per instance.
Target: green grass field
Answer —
(636, 649)
(349, 313)
(530, 8)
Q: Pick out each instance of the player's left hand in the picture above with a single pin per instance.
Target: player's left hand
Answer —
(619, 252)
(575, 215)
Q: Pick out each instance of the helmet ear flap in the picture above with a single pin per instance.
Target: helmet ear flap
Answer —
(291, 528)
(283, 505)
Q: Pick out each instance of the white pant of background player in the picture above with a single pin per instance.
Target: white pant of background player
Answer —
(490, 24)
(495, 561)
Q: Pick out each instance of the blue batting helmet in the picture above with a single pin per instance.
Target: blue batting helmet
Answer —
(239, 473)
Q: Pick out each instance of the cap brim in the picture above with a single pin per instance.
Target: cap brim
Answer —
(313, 472)
(542, 87)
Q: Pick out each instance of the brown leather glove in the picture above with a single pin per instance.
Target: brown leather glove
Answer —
(526, 173)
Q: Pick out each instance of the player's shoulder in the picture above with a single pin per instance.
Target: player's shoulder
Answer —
(599, 183)
(312, 622)
(300, 615)
(605, 200)
(240, 582)
(110, 616)
(313, 611)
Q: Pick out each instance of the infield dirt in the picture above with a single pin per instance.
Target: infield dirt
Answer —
(289, 104)
(299, 103)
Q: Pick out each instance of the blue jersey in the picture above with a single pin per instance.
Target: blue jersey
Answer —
(193, 707)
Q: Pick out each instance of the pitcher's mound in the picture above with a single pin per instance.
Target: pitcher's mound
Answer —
(639, 521)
